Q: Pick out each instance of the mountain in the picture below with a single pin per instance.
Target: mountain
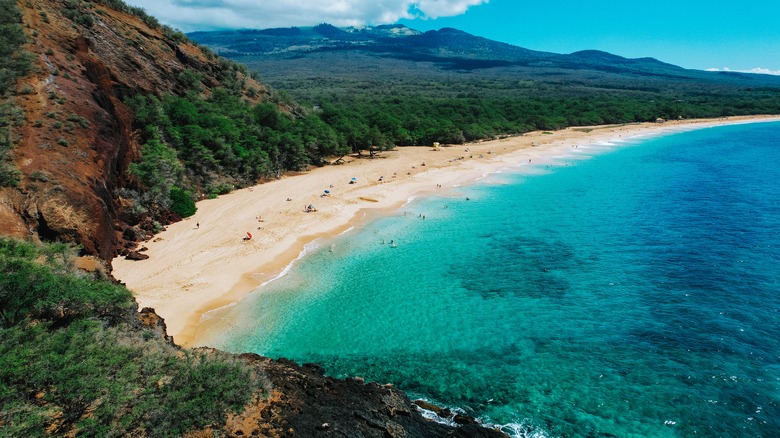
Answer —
(113, 124)
(407, 87)
(396, 49)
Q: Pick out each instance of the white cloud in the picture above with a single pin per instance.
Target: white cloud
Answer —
(190, 15)
(757, 70)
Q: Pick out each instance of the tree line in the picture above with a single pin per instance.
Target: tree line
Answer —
(211, 145)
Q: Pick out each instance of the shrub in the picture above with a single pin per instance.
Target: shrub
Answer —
(76, 11)
(182, 203)
(31, 290)
(75, 344)
(78, 119)
(9, 174)
(16, 62)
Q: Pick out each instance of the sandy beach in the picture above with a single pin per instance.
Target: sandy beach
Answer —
(202, 263)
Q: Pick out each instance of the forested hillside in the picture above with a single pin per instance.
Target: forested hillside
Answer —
(394, 85)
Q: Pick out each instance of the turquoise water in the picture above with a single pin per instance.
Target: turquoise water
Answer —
(634, 293)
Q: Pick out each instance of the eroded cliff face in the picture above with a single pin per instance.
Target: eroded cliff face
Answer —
(77, 142)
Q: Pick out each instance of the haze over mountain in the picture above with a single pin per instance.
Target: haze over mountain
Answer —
(692, 34)
(450, 86)
(446, 49)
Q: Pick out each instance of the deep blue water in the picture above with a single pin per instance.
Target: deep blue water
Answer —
(636, 292)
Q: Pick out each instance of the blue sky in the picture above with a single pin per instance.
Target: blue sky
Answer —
(691, 33)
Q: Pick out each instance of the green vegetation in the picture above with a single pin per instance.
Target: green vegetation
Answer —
(84, 123)
(451, 87)
(9, 174)
(74, 358)
(14, 64)
(182, 203)
(205, 145)
(79, 12)
(458, 112)
(158, 172)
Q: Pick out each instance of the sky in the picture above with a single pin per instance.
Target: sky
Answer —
(700, 34)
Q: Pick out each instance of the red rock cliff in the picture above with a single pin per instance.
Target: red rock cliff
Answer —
(76, 142)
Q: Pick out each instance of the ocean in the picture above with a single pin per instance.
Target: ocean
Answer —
(629, 288)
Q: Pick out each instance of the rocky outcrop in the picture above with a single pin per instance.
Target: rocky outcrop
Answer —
(135, 255)
(304, 402)
(151, 320)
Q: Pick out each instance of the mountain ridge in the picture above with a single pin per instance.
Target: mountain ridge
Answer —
(446, 43)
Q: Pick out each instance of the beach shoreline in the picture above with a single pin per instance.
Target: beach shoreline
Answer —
(194, 269)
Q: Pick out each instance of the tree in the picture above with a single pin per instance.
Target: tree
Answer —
(182, 203)
(158, 172)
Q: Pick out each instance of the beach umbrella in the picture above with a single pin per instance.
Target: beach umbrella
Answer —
(327, 191)
(354, 179)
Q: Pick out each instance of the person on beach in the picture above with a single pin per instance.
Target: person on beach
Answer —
(197, 225)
